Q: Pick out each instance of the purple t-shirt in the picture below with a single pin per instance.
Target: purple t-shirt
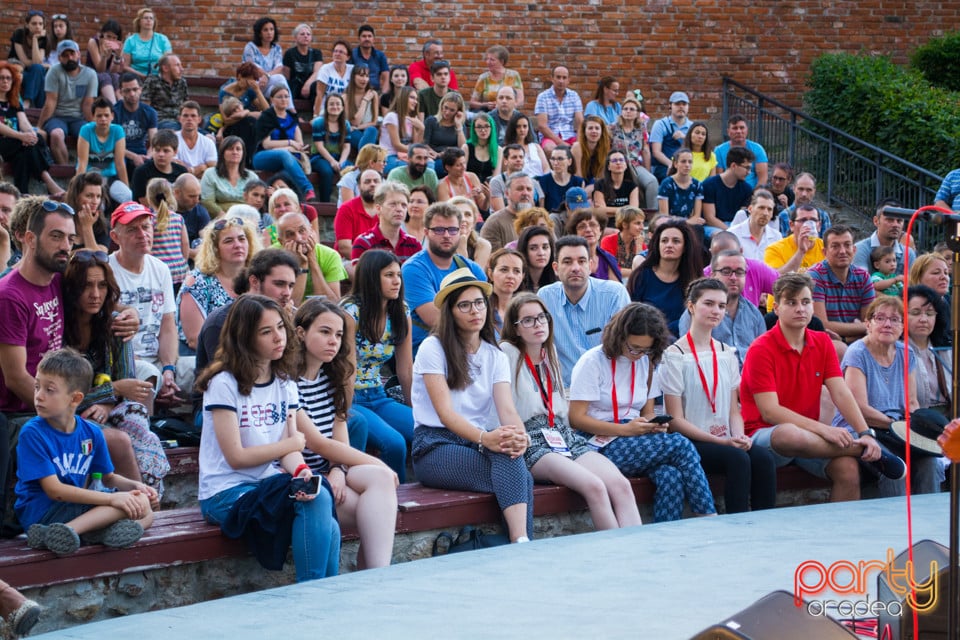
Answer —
(33, 318)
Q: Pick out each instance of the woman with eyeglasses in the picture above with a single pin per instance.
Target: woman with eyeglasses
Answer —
(604, 103)
(20, 144)
(226, 248)
(468, 435)
(700, 379)
(612, 389)
(629, 134)
(333, 77)
(618, 186)
(483, 152)
(589, 225)
(873, 368)
(363, 108)
(28, 51)
(471, 244)
(560, 178)
(144, 47)
(281, 145)
(557, 454)
(117, 398)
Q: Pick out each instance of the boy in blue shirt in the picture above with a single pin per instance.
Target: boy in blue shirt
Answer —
(57, 451)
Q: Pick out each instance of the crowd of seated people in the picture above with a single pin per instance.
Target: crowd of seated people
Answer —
(538, 324)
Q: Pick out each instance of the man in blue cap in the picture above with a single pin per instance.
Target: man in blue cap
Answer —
(668, 133)
(70, 88)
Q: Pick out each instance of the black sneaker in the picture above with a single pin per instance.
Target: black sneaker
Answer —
(889, 465)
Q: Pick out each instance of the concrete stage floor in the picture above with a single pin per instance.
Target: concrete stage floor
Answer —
(657, 581)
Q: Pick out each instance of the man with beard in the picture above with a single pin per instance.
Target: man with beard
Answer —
(357, 215)
(416, 172)
(754, 233)
(9, 195)
(146, 285)
(423, 272)
(498, 229)
(33, 325)
(888, 234)
(513, 155)
(392, 199)
(70, 88)
(805, 188)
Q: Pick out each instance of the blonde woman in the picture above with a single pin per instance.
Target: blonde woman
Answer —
(472, 245)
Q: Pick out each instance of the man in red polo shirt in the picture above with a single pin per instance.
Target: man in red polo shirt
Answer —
(391, 200)
(358, 215)
(780, 390)
(419, 71)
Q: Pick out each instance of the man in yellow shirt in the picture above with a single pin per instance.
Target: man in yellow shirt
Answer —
(800, 250)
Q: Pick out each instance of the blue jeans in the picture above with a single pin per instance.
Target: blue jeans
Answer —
(357, 430)
(325, 172)
(280, 159)
(31, 87)
(393, 161)
(389, 426)
(359, 138)
(316, 534)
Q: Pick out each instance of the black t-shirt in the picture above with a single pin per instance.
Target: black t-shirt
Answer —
(19, 37)
(147, 172)
(621, 196)
(301, 66)
(8, 115)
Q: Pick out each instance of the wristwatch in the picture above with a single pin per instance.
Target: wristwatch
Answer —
(869, 432)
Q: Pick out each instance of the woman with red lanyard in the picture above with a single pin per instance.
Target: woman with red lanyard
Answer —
(700, 379)
(612, 388)
(557, 454)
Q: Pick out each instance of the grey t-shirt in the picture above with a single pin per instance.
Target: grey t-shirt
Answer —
(884, 384)
(71, 90)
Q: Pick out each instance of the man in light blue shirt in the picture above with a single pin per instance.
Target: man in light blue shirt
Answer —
(580, 305)
(948, 195)
(737, 132)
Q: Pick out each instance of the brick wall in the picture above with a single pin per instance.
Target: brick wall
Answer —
(656, 45)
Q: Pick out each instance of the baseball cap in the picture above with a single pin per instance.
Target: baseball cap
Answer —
(679, 96)
(128, 212)
(576, 198)
(67, 45)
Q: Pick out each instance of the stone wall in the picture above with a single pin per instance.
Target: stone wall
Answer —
(657, 46)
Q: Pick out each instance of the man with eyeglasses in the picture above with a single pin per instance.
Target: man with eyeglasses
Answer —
(737, 134)
(742, 321)
(803, 248)
(420, 70)
(842, 291)
(357, 215)
(888, 232)
(760, 276)
(70, 89)
(581, 306)
(146, 285)
(33, 325)
(727, 193)
(423, 273)
(139, 121)
(805, 187)
(779, 186)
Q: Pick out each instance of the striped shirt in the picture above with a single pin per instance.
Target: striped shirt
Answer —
(843, 300)
(316, 398)
(166, 247)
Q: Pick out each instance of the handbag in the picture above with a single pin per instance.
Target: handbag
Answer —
(468, 539)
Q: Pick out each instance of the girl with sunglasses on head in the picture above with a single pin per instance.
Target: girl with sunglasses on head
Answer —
(226, 248)
(469, 436)
(20, 144)
(365, 492)
(612, 389)
(700, 378)
(117, 398)
(557, 454)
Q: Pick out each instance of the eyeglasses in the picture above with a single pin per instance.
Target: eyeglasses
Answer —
(638, 352)
(52, 205)
(444, 231)
(465, 306)
(887, 320)
(617, 161)
(85, 256)
(223, 223)
(6, 78)
(59, 16)
(916, 313)
(481, 127)
(726, 272)
(779, 178)
(528, 322)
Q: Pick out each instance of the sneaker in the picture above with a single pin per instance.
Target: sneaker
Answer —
(310, 195)
(37, 536)
(122, 534)
(889, 465)
(61, 539)
(22, 620)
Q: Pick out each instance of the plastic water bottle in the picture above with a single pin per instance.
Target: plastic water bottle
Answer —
(96, 483)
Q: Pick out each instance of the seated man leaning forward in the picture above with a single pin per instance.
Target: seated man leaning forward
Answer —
(783, 375)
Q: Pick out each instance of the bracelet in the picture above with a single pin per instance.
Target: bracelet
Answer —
(480, 444)
(301, 467)
(343, 468)
(168, 367)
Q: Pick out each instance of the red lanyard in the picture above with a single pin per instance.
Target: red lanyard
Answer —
(545, 393)
(703, 378)
(613, 392)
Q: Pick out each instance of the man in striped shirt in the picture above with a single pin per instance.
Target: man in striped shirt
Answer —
(842, 290)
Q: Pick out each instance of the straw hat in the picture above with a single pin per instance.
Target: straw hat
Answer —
(457, 280)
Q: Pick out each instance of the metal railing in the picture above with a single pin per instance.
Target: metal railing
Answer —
(849, 171)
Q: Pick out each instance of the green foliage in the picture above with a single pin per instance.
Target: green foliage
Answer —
(939, 61)
(891, 107)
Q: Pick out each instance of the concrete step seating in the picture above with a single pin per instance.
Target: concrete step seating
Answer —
(181, 537)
